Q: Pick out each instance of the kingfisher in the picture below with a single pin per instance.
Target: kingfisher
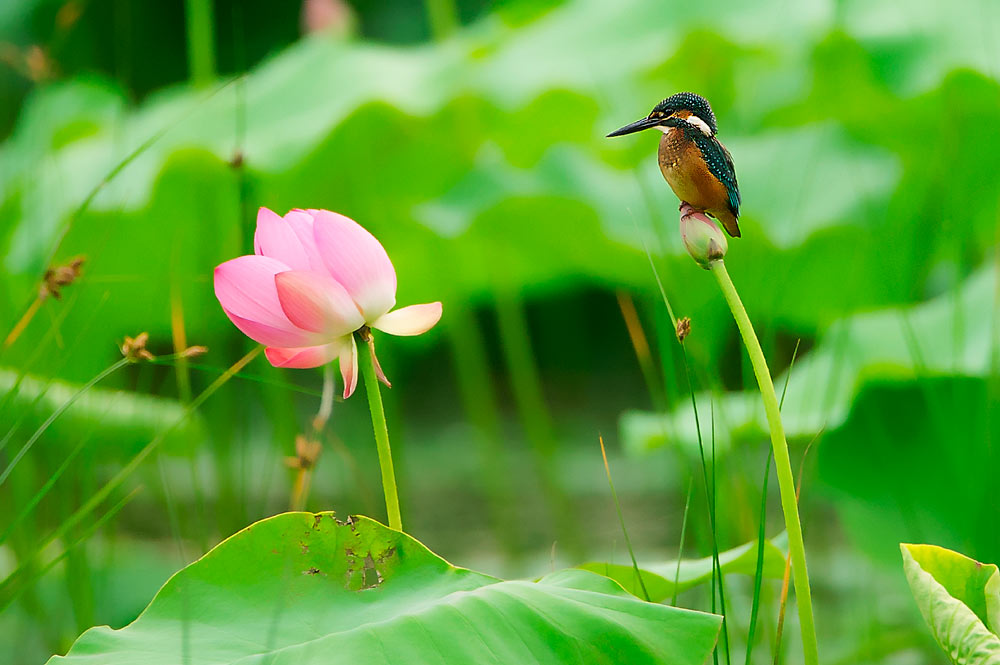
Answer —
(692, 159)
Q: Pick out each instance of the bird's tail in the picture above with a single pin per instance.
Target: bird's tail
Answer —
(728, 220)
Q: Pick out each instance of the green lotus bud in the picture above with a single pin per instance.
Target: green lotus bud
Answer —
(702, 237)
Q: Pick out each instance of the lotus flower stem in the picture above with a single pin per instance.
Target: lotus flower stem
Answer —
(367, 366)
(783, 466)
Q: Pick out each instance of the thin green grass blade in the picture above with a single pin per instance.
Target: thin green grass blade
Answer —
(621, 520)
(245, 376)
(788, 373)
(40, 494)
(41, 348)
(24, 577)
(58, 412)
(758, 577)
(680, 546)
(8, 588)
(708, 491)
(718, 577)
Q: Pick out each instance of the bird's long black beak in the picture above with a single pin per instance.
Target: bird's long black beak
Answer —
(637, 126)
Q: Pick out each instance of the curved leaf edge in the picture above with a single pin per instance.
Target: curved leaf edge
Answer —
(956, 628)
(659, 578)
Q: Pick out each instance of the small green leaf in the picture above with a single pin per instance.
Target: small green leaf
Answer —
(659, 578)
(303, 588)
(951, 591)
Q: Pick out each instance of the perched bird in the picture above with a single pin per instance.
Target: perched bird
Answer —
(694, 163)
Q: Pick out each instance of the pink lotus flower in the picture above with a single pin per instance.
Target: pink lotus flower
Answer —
(315, 278)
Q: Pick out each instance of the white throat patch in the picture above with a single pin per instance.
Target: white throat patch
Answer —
(695, 121)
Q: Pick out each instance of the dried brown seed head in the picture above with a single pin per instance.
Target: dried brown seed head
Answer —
(683, 328)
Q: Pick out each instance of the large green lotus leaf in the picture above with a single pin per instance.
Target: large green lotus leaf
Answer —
(303, 588)
(949, 590)
(947, 334)
(294, 101)
(343, 80)
(663, 580)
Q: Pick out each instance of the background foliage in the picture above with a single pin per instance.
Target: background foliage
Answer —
(472, 146)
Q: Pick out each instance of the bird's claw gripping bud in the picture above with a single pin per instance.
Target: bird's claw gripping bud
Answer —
(702, 237)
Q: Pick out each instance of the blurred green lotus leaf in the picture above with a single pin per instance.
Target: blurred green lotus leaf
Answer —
(947, 334)
(659, 578)
(916, 459)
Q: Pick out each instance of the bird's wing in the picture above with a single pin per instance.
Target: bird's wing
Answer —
(720, 163)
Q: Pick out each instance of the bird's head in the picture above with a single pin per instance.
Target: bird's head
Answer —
(675, 111)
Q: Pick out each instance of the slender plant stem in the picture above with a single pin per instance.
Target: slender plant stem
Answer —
(307, 447)
(23, 322)
(367, 366)
(325, 400)
(200, 41)
(680, 546)
(58, 412)
(783, 466)
(621, 519)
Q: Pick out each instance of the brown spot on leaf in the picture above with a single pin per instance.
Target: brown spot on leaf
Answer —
(372, 577)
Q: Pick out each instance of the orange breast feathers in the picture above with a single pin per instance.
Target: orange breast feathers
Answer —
(686, 172)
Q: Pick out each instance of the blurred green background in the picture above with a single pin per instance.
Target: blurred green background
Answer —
(469, 137)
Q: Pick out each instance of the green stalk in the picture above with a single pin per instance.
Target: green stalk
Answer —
(200, 41)
(367, 365)
(783, 465)
(442, 15)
